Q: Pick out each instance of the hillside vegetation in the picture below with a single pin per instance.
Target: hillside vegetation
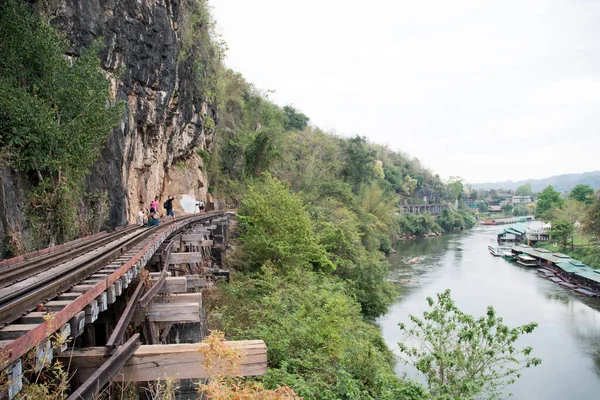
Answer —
(317, 211)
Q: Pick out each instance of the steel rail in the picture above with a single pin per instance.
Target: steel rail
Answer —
(116, 337)
(107, 371)
(17, 348)
(160, 281)
(20, 271)
(14, 304)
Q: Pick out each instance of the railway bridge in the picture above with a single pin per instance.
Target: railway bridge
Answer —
(433, 209)
(117, 296)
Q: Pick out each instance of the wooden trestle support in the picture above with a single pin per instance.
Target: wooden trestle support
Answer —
(163, 300)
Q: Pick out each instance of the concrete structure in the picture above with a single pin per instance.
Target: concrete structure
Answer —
(433, 209)
(521, 200)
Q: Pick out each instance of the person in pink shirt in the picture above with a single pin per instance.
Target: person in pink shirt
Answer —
(154, 205)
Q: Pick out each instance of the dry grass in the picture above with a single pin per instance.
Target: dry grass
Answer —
(222, 361)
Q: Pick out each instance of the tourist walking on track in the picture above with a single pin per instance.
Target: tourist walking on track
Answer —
(169, 206)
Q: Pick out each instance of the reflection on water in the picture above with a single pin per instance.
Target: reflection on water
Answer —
(568, 336)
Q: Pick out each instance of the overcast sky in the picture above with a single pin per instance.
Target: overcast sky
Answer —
(485, 90)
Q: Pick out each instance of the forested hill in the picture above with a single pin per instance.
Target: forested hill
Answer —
(562, 183)
(144, 105)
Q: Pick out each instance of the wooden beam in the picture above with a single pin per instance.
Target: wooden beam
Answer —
(174, 312)
(159, 362)
(185, 258)
(174, 284)
(196, 281)
(180, 298)
(193, 237)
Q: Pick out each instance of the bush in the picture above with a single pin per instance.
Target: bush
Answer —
(275, 228)
(318, 343)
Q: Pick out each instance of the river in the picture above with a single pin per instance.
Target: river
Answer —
(567, 338)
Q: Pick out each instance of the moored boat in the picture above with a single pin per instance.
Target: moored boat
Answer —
(586, 292)
(545, 273)
(526, 261)
(568, 285)
(498, 251)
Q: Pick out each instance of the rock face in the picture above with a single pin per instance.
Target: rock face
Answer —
(153, 150)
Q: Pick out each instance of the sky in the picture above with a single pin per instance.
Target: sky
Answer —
(484, 90)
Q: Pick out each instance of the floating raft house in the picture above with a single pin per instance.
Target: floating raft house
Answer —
(571, 273)
(512, 233)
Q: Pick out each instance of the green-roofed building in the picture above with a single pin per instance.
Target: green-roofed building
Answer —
(512, 233)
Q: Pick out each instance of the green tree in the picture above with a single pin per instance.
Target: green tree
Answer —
(591, 220)
(360, 160)
(547, 199)
(562, 232)
(482, 206)
(55, 116)
(507, 208)
(276, 229)
(456, 190)
(294, 119)
(464, 357)
(409, 185)
(582, 193)
(318, 342)
(260, 153)
(524, 190)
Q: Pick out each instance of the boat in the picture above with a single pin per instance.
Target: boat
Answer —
(509, 256)
(526, 261)
(568, 285)
(586, 292)
(545, 273)
(499, 251)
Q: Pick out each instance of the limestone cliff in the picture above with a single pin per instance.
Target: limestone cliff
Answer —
(153, 150)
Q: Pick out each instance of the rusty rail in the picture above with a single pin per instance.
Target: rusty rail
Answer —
(116, 337)
(105, 373)
(162, 278)
(22, 270)
(14, 304)
(17, 348)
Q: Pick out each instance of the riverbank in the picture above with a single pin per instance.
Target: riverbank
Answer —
(567, 339)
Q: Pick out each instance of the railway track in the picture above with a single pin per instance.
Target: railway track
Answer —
(13, 273)
(47, 278)
(74, 284)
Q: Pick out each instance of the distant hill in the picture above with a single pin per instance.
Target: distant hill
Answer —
(562, 183)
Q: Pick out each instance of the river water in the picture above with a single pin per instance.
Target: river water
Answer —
(567, 338)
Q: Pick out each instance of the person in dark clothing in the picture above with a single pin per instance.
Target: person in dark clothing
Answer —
(153, 220)
(169, 207)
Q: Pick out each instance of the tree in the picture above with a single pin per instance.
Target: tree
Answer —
(520, 210)
(463, 357)
(456, 190)
(294, 119)
(524, 190)
(507, 208)
(276, 229)
(562, 232)
(360, 160)
(260, 153)
(582, 193)
(547, 199)
(409, 185)
(591, 220)
(55, 116)
(482, 206)
(572, 211)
